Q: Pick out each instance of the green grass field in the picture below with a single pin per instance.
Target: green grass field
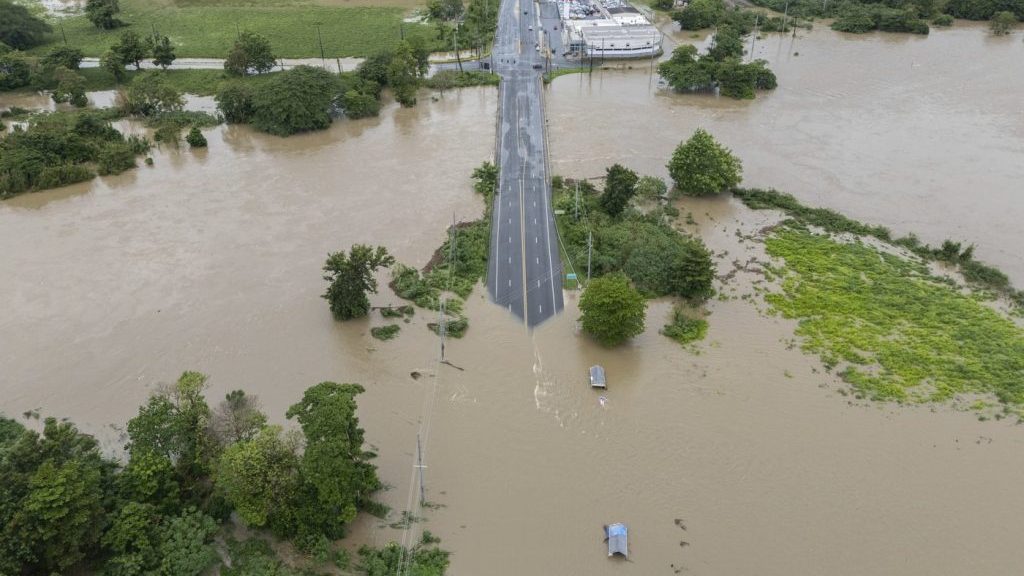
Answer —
(205, 29)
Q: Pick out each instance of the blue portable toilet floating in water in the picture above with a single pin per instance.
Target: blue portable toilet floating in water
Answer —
(617, 539)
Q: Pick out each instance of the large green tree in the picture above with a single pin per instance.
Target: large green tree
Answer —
(259, 475)
(251, 53)
(298, 100)
(337, 475)
(351, 277)
(103, 13)
(619, 188)
(702, 167)
(19, 29)
(162, 50)
(403, 74)
(51, 497)
(174, 425)
(613, 311)
(131, 49)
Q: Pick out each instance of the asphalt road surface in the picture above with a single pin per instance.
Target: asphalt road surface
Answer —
(525, 271)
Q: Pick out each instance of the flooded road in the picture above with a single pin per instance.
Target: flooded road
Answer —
(920, 134)
(740, 458)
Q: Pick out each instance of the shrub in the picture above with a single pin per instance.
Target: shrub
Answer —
(115, 158)
(684, 329)
(234, 100)
(359, 105)
(65, 56)
(150, 94)
(14, 72)
(385, 332)
(943, 20)
(1003, 22)
(298, 100)
(195, 138)
(19, 29)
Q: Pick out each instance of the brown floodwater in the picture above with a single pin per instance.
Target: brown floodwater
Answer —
(920, 134)
(740, 456)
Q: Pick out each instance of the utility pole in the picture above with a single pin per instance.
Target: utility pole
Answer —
(785, 17)
(753, 37)
(63, 34)
(455, 40)
(323, 60)
(420, 466)
(577, 200)
(590, 249)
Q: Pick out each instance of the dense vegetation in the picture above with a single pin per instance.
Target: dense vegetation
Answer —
(19, 29)
(722, 68)
(63, 148)
(64, 505)
(894, 15)
(896, 332)
(657, 259)
(684, 329)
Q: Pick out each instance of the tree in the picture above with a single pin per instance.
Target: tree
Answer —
(701, 166)
(619, 188)
(132, 539)
(173, 424)
(298, 100)
(64, 56)
(186, 544)
(238, 418)
(251, 52)
(651, 188)
(162, 50)
(130, 49)
(1002, 23)
(335, 467)
(728, 43)
(19, 29)
(70, 87)
(359, 105)
(151, 94)
(258, 475)
(375, 68)
(613, 311)
(51, 498)
(685, 72)
(445, 10)
(403, 74)
(103, 14)
(234, 100)
(195, 138)
(351, 277)
(111, 62)
(699, 14)
(14, 72)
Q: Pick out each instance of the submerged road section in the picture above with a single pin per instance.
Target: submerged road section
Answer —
(525, 271)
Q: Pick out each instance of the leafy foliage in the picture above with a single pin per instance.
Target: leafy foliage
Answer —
(251, 53)
(1003, 22)
(130, 49)
(298, 100)
(386, 332)
(351, 277)
(422, 560)
(150, 94)
(684, 329)
(685, 71)
(58, 148)
(15, 72)
(65, 56)
(619, 189)
(702, 167)
(259, 475)
(195, 138)
(19, 29)
(103, 13)
(162, 50)
(234, 100)
(860, 18)
(613, 311)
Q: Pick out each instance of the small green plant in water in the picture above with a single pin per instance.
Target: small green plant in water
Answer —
(385, 332)
(684, 329)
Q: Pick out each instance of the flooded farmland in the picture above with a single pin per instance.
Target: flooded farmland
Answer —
(742, 459)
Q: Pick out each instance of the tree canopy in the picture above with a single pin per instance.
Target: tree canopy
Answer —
(251, 53)
(103, 13)
(701, 166)
(619, 188)
(297, 100)
(351, 277)
(19, 29)
(613, 311)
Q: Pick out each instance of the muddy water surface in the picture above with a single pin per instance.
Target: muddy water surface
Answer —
(920, 134)
(740, 458)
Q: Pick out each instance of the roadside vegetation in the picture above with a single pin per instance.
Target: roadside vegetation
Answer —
(67, 507)
(625, 231)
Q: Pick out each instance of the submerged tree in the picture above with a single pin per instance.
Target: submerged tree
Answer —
(702, 167)
(613, 311)
(351, 277)
(619, 188)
